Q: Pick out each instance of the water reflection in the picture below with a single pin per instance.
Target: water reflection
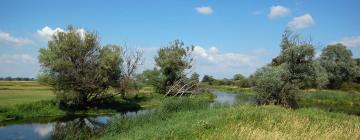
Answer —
(225, 98)
(79, 128)
(69, 127)
(75, 127)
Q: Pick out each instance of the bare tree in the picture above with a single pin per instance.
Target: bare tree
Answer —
(132, 59)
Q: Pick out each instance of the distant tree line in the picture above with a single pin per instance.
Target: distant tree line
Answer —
(16, 79)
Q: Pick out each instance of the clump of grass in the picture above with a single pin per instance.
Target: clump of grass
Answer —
(175, 104)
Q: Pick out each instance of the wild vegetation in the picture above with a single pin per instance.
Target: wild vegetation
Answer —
(296, 96)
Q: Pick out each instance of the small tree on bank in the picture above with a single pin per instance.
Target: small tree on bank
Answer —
(80, 71)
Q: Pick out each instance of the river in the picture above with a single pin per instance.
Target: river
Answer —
(55, 128)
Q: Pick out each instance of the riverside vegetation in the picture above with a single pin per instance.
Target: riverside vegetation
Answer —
(296, 96)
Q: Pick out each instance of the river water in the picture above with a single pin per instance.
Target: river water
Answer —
(55, 128)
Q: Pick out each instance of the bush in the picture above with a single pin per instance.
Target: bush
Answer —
(271, 89)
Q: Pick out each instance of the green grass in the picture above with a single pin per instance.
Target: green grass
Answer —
(192, 120)
(328, 100)
(332, 100)
(23, 92)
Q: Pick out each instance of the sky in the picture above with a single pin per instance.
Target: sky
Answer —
(230, 36)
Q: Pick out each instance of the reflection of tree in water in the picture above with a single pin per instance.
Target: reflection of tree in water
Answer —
(77, 129)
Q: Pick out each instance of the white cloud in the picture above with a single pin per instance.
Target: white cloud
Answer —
(43, 130)
(212, 61)
(205, 10)
(353, 41)
(6, 38)
(278, 11)
(46, 33)
(301, 22)
(17, 59)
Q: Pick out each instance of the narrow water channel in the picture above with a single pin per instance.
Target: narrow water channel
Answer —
(48, 128)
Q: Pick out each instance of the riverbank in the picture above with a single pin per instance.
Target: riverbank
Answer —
(347, 102)
(24, 100)
(193, 120)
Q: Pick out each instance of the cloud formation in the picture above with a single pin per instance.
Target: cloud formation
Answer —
(17, 59)
(301, 22)
(352, 42)
(7, 38)
(278, 11)
(205, 10)
(46, 33)
(212, 61)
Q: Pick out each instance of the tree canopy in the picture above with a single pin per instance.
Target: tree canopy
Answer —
(78, 68)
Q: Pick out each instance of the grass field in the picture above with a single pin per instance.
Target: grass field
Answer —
(237, 122)
(23, 92)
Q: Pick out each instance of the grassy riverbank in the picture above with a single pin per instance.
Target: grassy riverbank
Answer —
(328, 100)
(194, 120)
(29, 99)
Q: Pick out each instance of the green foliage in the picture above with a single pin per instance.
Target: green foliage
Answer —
(172, 61)
(208, 79)
(78, 69)
(241, 81)
(195, 77)
(272, 89)
(338, 62)
(280, 82)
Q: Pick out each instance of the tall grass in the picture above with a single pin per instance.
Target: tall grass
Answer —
(238, 122)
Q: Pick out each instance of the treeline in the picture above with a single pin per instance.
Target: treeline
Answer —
(16, 79)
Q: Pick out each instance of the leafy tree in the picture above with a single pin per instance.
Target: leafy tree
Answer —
(338, 62)
(357, 79)
(240, 81)
(173, 60)
(152, 77)
(207, 79)
(279, 83)
(79, 69)
(195, 77)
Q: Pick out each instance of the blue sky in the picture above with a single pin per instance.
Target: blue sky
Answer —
(230, 36)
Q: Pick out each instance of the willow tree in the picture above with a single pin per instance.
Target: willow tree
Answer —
(172, 61)
(78, 69)
(339, 64)
(279, 82)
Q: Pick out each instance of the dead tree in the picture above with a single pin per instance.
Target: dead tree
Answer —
(184, 86)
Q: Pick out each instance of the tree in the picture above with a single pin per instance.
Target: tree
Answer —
(240, 80)
(173, 60)
(131, 60)
(195, 77)
(279, 83)
(338, 62)
(208, 79)
(79, 69)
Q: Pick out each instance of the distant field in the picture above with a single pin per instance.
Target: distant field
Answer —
(22, 92)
